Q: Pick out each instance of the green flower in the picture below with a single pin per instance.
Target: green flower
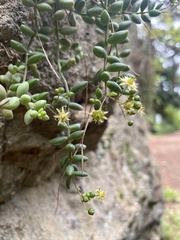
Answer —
(62, 116)
(128, 105)
(98, 116)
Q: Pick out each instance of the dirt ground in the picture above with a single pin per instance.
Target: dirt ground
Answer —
(165, 152)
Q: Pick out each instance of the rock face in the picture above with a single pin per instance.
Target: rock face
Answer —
(131, 210)
(119, 163)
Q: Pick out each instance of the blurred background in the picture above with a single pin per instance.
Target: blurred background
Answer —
(157, 59)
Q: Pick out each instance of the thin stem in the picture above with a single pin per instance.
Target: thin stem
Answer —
(26, 58)
(106, 3)
(77, 189)
(85, 129)
(102, 4)
(58, 59)
(104, 99)
(59, 188)
(60, 72)
(46, 56)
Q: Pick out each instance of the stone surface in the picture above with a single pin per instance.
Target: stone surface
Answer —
(12, 15)
(131, 210)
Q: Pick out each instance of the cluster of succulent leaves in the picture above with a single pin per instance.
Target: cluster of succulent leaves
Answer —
(112, 20)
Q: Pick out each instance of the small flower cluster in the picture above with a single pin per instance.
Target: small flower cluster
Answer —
(86, 197)
(99, 194)
(133, 103)
(119, 86)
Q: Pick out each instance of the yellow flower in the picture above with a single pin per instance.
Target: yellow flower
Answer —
(128, 105)
(62, 116)
(98, 116)
(129, 83)
(100, 194)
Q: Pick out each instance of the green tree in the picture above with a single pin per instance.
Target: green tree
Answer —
(166, 63)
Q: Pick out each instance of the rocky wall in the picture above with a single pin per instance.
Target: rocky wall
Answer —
(132, 209)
